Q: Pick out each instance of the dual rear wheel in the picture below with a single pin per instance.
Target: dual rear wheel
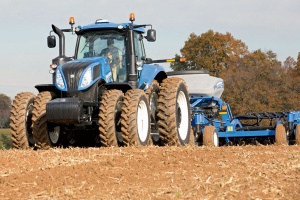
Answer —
(161, 115)
(174, 117)
(20, 120)
(124, 119)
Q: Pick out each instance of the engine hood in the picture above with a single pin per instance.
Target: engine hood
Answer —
(81, 74)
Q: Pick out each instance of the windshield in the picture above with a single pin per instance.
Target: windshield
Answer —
(95, 43)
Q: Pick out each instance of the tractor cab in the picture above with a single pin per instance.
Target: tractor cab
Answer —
(121, 43)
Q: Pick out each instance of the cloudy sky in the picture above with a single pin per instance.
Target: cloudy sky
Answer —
(25, 58)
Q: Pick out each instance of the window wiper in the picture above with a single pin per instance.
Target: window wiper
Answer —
(84, 47)
(88, 42)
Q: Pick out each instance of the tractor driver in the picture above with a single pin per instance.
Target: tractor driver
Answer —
(114, 56)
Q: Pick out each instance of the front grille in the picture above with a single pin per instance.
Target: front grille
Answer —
(72, 73)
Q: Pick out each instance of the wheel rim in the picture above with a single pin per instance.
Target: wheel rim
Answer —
(28, 123)
(97, 139)
(153, 104)
(118, 111)
(54, 135)
(142, 121)
(182, 115)
(215, 139)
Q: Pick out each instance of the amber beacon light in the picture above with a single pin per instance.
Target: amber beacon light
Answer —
(71, 21)
(131, 17)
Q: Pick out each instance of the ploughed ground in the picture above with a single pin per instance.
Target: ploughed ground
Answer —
(234, 172)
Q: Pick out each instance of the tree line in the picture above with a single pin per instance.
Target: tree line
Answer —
(255, 81)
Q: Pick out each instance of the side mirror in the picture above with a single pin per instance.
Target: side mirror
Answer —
(51, 41)
(151, 35)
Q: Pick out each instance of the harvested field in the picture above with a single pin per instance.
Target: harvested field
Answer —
(243, 172)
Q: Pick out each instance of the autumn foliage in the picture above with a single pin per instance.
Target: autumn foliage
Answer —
(254, 81)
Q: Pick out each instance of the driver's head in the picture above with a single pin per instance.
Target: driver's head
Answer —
(110, 41)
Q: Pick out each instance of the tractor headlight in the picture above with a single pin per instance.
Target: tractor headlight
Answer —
(86, 79)
(59, 80)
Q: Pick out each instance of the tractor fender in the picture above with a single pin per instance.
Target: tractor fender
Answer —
(150, 73)
(47, 87)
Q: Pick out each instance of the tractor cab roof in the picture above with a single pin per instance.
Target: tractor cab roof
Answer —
(104, 24)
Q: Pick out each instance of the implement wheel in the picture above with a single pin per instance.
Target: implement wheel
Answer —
(281, 135)
(297, 137)
(210, 136)
(174, 112)
(39, 121)
(20, 120)
(109, 117)
(135, 118)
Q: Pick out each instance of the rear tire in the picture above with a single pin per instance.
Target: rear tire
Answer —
(20, 120)
(135, 118)
(210, 136)
(152, 95)
(174, 112)
(297, 136)
(39, 121)
(281, 135)
(109, 117)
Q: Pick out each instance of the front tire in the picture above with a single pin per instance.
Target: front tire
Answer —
(39, 121)
(109, 117)
(281, 135)
(135, 118)
(174, 112)
(20, 120)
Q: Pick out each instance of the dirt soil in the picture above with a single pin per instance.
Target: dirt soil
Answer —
(243, 172)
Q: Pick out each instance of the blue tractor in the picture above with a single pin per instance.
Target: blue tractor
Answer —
(109, 92)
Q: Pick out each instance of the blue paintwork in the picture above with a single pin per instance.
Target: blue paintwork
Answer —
(110, 25)
(105, 71)
(228, 125)
(148, 74)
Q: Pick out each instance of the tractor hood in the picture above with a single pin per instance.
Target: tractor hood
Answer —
(81, 74)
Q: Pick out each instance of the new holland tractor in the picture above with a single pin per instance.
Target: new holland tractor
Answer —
(109, 93)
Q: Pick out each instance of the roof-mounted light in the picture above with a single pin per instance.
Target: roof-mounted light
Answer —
(71, 21)
(131, 17)
(101, 21)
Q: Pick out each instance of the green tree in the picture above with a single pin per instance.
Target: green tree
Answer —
(5, 105)
(211, 51)
(5, 142)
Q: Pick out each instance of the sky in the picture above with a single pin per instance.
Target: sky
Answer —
(25, 58)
